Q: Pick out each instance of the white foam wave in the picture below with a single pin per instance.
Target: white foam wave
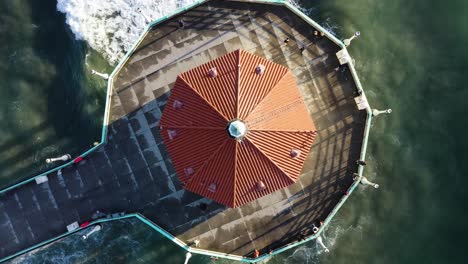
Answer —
(112, 26)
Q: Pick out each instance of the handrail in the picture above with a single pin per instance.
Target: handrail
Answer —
(155, 226)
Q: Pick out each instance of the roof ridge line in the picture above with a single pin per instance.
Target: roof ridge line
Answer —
(269, 92)
(204, 99)
(284, 130)
(207, 161)
(235, 176)
(238, 81)
(271, 161)
(192, 127)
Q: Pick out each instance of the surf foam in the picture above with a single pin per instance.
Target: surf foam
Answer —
(112, 26)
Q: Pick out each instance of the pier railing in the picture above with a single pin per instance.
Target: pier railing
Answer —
(154, 226)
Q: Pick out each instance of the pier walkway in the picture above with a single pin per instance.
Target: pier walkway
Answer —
(133, 172)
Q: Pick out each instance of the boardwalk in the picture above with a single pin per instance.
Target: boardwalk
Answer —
(133, 171)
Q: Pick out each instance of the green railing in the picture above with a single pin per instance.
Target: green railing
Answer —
(155, 226)
(329, 35)
(84, 154)
(143, 220)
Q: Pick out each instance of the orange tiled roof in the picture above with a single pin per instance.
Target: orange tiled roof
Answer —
(230, 162)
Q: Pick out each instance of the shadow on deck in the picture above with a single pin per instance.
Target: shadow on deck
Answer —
(134, 173)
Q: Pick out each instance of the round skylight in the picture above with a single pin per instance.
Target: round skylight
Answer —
(237, 129)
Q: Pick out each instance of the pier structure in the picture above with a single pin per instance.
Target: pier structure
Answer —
(131, 174)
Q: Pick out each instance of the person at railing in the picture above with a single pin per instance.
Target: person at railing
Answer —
(256, 253)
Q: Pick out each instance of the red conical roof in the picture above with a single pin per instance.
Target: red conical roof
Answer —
(236, 128)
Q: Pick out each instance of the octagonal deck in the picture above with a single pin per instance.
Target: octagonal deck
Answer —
(133, 171)
(212, 30)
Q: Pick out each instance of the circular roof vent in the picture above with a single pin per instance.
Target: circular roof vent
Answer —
(237, 129)
(260, 186)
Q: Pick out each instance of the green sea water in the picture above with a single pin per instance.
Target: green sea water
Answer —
(412, 57)
(49, 103)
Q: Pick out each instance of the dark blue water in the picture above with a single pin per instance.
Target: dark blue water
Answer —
(412, 57)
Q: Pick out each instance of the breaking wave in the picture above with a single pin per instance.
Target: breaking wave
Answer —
(112, 26)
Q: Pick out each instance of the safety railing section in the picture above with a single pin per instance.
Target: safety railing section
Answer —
(108, 98)
(84, 154)
(311, 22)
(166, 234)
(131, 51)
(24, 251)
(363, 146)
(144, 220)
(279, 2)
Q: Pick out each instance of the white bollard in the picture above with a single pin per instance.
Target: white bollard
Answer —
(105, 76)
(187, 257)
(347, 41)
(376, 112)
(95, 229)
(62, 158)
(320, 241)
(364, 181)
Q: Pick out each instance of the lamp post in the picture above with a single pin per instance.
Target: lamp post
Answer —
(105, 76)
(365, 181)
(187, 257)
(62, 158)
(376, 112)
(320, 242)
(347, 41)
(95, 229)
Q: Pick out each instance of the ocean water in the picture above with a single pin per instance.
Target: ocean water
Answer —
(49, 103)
(412, 57)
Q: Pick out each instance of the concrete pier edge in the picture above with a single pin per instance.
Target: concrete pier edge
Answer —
(153, 225)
